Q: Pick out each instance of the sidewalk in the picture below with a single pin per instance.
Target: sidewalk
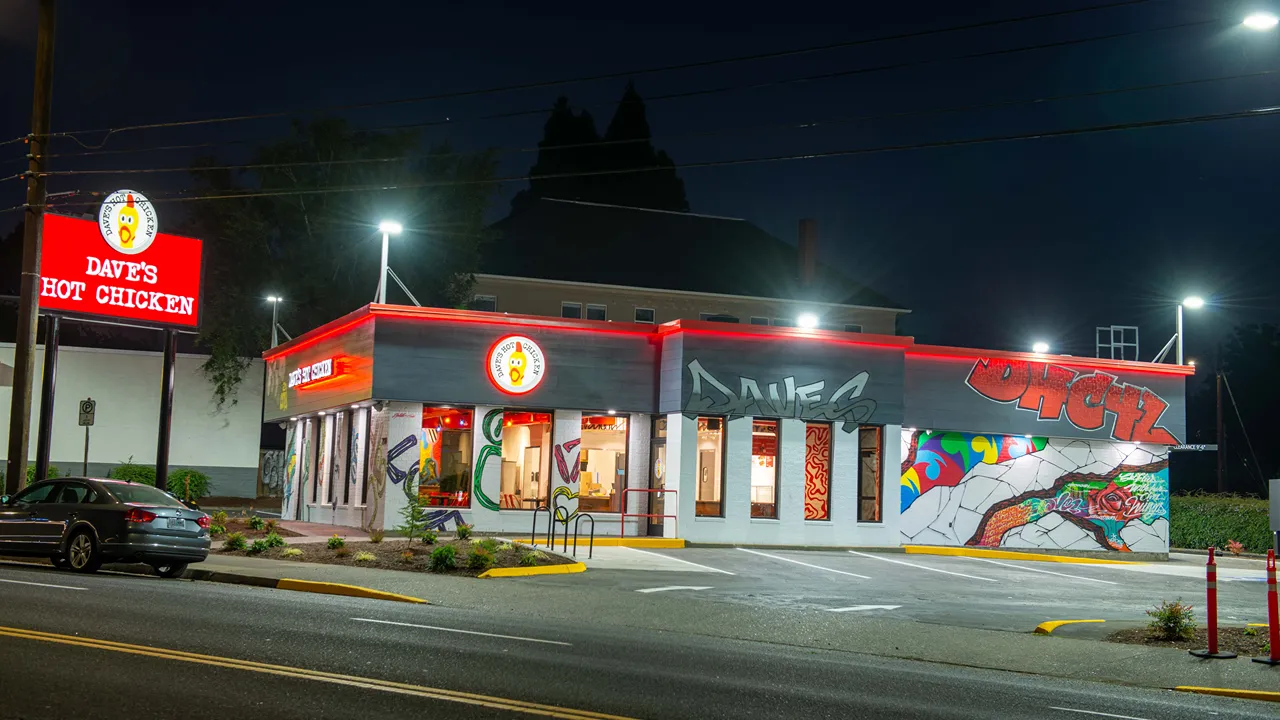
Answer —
(1017, 652)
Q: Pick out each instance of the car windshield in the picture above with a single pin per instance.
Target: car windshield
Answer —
(142, 495)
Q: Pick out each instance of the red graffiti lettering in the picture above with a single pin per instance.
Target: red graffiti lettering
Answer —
(1087, 400)
(1000, 380)
(1047, 391)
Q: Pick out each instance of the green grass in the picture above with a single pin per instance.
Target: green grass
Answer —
(1198, 521)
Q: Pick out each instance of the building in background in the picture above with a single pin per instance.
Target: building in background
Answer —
(223, 444)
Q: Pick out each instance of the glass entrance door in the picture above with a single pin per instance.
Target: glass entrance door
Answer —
(657, 475)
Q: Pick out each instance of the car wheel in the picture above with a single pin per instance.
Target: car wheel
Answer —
(169, 569)
(82, 553)
(60, 562)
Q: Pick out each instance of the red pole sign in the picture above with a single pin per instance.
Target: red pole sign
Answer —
(1273, 612)
(1211, 610)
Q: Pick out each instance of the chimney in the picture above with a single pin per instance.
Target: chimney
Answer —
(808, 251)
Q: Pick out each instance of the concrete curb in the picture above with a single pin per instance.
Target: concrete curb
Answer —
(568, 569)
(636, 542)
(1009, 555)
(325, 588)
(1232, 692)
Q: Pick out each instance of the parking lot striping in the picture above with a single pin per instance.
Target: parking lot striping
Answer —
(1046, 572)
(797, 562)
(367, 683)
(464, 632)
(922, 567)
(674, 587)
(686, 562)
(857, 608)
(1099, 714)
(48, 585)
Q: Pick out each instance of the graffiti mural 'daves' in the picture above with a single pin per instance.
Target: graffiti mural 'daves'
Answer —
(805, 402)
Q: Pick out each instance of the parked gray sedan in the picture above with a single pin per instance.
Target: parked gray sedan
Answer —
(80, 523)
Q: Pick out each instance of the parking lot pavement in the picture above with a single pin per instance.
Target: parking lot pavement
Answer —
(961, 591)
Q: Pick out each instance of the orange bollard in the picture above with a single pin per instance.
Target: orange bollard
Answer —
(1211, 612)
(1273, 612)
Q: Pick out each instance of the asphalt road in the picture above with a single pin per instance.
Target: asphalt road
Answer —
(325, 656)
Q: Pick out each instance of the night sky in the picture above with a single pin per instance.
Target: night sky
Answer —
(993, 245)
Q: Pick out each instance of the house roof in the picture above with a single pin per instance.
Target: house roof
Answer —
(579, 241)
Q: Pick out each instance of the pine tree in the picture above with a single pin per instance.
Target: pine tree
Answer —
(569, 144)
(629, 145)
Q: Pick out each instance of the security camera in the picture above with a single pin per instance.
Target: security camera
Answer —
(380, 405)
(283, 425)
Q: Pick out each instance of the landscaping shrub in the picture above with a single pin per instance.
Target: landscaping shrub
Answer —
(130, 471)
(429, 537)
(187, 484)
(365, 557)
(528, 558)
(407, 556)
(291, 552)
(443, 558)
(1172, 621)
(463, 531)
(31, 473)
(258, 546)
(336, 543)
(256, 523)
(234, 541)
(1198, 521)
(342, 551)
(376, 536)
(219, 518)
(480, 558)
(216, 530)
(271, 525)
(273, 540)
(490, 544)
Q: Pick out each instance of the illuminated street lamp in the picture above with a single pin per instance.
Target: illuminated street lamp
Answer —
(387, 228)
(1261, 22)
(808, 321)
(1040, 347)
(1191, 302)
(275, 306)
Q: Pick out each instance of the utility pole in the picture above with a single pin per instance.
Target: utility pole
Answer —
(1222, 480)
(24, 357)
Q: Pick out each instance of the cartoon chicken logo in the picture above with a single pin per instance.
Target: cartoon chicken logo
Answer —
(516, 364)
(127, 223)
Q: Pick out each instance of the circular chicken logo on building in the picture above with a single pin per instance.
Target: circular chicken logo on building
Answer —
(516, 364)
(127, 220)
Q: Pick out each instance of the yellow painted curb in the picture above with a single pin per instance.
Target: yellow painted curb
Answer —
(1047, 628)
(527, 571)
(329, 588)
(1232, 692)
(1008, 555)
(635, 542)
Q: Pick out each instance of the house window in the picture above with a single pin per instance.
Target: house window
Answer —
(445, 463)
(602, 463)
(709, 498)
(645, 315)
(485, 303)
(853, 327)
(526, 460)
(597, 312)
(817, 471)
(717, 317)
(869, 471)
(764, 469)
(757, 320)
(571, 310)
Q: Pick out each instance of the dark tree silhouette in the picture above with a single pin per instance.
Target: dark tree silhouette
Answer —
(569, 145)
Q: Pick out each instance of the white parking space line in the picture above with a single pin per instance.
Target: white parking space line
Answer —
(922, 567)
(674, 587)
(1099, 714)
(797, 562)
(464, 632)
(686, 562)
(1046, 572)
(857, 608)
(48, 585)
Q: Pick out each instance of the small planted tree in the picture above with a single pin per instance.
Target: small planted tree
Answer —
(413, 516)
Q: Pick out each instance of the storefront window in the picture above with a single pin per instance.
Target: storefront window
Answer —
(764, 469)
(445, 459)
(710, 495)
(869, 472)
(526, 460)
(603, 463)
(817, 471)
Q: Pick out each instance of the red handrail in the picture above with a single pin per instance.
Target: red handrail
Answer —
(622, 530)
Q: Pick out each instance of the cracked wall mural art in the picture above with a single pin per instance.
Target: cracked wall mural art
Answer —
(1034, 492)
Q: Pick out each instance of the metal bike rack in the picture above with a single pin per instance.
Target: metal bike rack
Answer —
(591, 546)
(551, 526)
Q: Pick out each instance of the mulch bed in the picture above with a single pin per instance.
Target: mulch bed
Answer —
(1249, 642)
(241, 526)
(389, 555)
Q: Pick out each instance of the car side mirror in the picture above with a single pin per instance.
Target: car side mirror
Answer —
(4, 500)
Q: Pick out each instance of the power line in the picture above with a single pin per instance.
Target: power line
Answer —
(1088, 130)
(702, 134)
(605, 76)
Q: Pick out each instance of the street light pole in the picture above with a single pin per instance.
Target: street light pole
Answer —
(1179, 331)
(382, 274)
(275, 323)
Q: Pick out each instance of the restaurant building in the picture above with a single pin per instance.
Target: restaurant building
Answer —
(756, 435)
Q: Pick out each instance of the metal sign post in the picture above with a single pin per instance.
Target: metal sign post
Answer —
(87, 408)
(1275, 514)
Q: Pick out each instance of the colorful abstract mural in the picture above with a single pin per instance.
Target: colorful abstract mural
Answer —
(817, 471)
(491, 428)
(1014, 491)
